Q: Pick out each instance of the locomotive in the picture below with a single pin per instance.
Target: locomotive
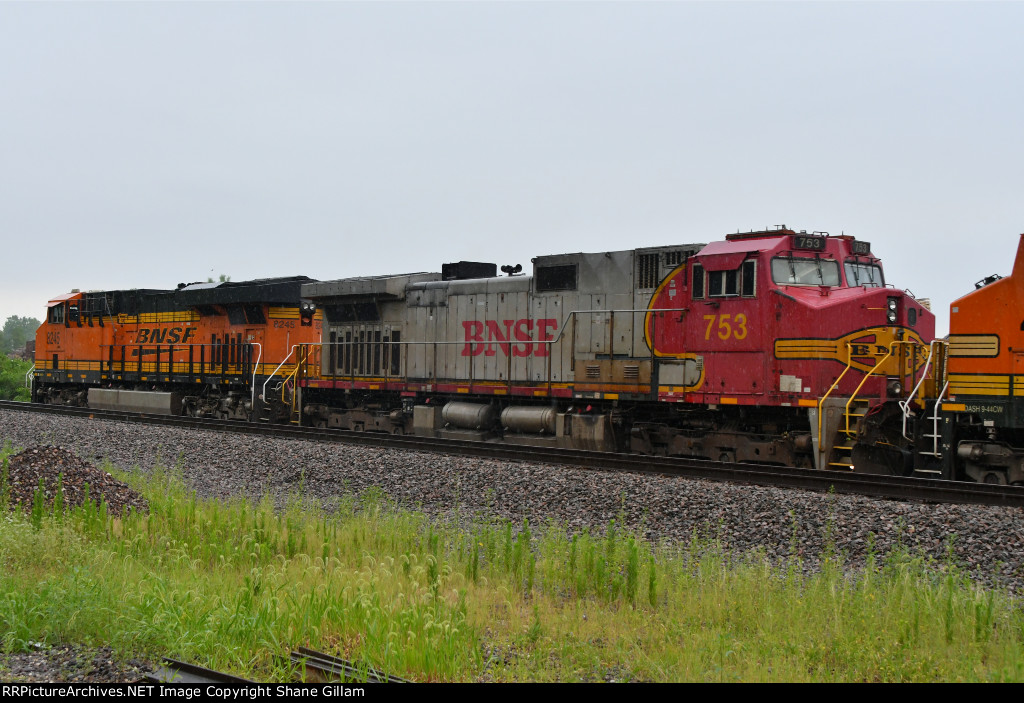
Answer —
(965, 421)
(220, 350)
(769, 346)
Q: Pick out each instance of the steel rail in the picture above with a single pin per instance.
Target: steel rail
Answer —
(177, 672)
(878, 486)
(319, 667)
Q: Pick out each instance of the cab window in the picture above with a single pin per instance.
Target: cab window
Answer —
(722, 284)
(802, 271)
(56, 316)
(860, 273)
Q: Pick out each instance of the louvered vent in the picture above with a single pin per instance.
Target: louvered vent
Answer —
(647, 270)
(631, 371)
(593, 372)
(674, 258)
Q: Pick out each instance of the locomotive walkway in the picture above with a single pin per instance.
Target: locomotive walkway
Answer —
(891, 487)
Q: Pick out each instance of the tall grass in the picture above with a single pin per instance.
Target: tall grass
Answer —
(235, 584)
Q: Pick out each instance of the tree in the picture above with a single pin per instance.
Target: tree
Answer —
(223, 279)
(17, 331)
(12, 379)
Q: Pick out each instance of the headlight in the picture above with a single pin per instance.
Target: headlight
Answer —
(892, 304)
(891, 315)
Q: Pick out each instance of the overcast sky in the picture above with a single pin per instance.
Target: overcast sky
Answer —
(147, 144)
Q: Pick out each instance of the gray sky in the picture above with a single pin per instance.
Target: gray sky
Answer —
(147, 144)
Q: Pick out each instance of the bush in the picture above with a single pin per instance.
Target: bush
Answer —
(12, 379)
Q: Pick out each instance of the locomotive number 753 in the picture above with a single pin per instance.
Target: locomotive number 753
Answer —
(725, 328)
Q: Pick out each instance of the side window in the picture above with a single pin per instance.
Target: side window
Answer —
(57, 314)
(748, 273)
(698, 281)
(722, 284)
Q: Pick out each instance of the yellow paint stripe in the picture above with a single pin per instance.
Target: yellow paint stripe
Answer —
(800, 348)
(728, 401)
(976, 345)
(804, 403)
(954, 407)
(979, 385)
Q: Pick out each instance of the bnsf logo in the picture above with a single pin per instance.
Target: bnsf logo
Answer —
(513, 337)
(164, 335)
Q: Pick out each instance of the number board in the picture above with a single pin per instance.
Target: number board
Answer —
(803, 241)
(859, 247)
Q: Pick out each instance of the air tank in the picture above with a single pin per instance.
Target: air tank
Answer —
(470, 416)
(524, 418)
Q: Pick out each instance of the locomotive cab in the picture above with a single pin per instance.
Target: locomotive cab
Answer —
(787, 319)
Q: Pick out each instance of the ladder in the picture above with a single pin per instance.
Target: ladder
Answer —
(846, 435)
(291, 382)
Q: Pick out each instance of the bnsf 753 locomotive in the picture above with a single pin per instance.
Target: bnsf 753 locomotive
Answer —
(769, 347)
(222, 350)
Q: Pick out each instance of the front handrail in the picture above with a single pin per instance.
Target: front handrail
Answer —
(821, 403)
(935, 417)
(860, 385)
(29, 375)
(905, 405)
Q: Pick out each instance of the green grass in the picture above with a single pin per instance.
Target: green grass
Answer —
(235, 585)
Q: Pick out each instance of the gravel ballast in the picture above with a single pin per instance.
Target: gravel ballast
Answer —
(986, 541)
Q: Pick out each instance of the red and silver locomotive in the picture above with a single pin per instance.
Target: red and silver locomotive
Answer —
(765, 347)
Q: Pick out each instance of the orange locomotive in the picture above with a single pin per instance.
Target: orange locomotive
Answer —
(222, 350)
(966, 420)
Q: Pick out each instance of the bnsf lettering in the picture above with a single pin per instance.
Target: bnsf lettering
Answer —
(164, 335)
(866, 350)
(513, 337)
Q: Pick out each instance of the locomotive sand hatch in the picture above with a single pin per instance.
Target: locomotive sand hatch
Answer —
(773, 346)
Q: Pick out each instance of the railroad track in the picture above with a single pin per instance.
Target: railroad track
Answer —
(315, 667)
(892, 487)
(319, 667)
(178, 672)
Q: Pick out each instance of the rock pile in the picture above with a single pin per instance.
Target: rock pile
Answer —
(69, 663)
(76, 476)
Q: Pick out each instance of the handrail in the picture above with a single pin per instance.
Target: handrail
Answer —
(935, 417)
(860, 385)
(29, 375)
(263, 395)
(905, 405)
(307, 349)
(255, 368)
(821, 402)
(560, 332)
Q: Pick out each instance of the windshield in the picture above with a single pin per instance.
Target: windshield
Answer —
(790, 271)
(864, 274)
